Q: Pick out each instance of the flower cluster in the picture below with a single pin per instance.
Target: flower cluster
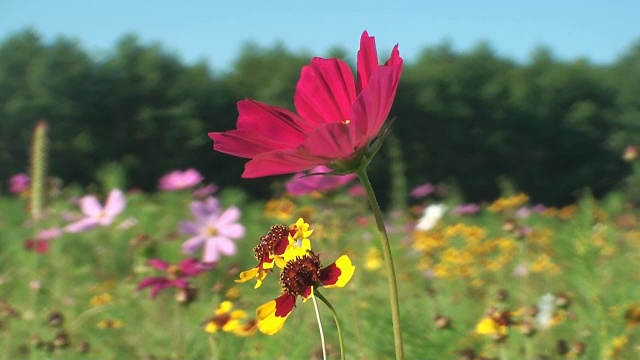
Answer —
(289, 248)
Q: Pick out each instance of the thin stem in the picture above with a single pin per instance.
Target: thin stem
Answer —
(324, 347)
(388, 260)
(335, 318)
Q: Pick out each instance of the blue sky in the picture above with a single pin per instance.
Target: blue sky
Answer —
(215, 30)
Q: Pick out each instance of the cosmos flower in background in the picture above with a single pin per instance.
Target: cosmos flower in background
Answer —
(206, 191)
(338, 118)
(176, 276)
(213, 230)
(302, 184)
(19, 183)
(423, 190)
(466, 209)
(432, 214)
(178, 180)
(95, 214)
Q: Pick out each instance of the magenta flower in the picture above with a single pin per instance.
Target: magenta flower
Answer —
(337, 120)
(19, 183)
(177, 276)
(95, 214)
(357, 191)
(41, 242)
(302, 184)
(178, 180)
(422, 190)
(213, 229)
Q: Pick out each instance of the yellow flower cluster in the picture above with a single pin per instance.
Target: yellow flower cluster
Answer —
(232, 321)
(281, 209)
(509, 203)
(564, 213)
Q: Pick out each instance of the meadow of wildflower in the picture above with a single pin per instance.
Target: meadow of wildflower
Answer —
(506, 280)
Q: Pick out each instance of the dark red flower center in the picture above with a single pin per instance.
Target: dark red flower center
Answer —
(271, 242)
(300, 274)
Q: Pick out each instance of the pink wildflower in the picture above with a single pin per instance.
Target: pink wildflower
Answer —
(422, 190)
(178, 180)
(302, 184)
(19, 183)
(95, 214)
(177, 276)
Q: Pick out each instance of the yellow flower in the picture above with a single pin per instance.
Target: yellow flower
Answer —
(281, 209)
(225, 319)
(101, 299)
(373, 261)
(233, 293)
(110, 324)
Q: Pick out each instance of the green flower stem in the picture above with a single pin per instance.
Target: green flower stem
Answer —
(388, 260)
(335, 318)
(324, 346)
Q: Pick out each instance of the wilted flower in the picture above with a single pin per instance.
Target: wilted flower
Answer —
(423, 190)
(178, 180)
(95, 214)
(432, 214)
(177, 276)
(19, 183)
(302, 184)
(337, 124)
(213, 230)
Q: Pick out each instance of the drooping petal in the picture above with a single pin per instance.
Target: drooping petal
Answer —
(272, 315)
(193, 244)
(367, 60)
(325, 91)
(191, 267)
(81, 225)
(279, 162)
(373, 104)
(115, 204)
(90, 206)
(337, 274)
(159, 264)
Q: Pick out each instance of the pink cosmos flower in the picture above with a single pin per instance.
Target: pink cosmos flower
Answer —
(95, 214)
(301, 184)
(422, 190)
(212, 229)
(178, 180)
(19, 183)
(466, 209)
(357, 191)
(177, 276)
(337, 118)
(206, 191)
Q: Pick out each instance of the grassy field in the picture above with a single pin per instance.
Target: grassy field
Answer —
(556, 284)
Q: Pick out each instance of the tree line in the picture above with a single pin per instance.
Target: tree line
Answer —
(551, 127)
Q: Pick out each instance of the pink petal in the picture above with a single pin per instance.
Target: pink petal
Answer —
(158, 264)
(325, 91)
(115, 204)
(82, 225)
(233, 231)
(231, 215)
(205, 209)
(330, 142)
(279, 162)
(367, 60)
(394, 58)
(261, 128)
(211, 251)
(190, 246)
(226, 246)
(150, 281)
(374, 102)
(90, 206)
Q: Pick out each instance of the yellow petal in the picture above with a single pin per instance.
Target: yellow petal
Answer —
(346, 271)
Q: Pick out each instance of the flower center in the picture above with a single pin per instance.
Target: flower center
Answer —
(300, 273)
(212, 231)
(174, 272)
(270, 240)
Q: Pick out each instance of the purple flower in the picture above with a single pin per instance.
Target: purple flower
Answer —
(95, 214)
(422, 190)
(19, 183)
(538, 208)
(178, 180)
(466, 209)
(523, 212)
(301, 184)
(213, 229)
(176, 275)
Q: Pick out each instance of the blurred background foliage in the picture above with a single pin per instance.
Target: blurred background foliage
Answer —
(551, 127)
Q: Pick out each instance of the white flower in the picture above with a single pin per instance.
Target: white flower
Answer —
(546, 308)
(432, 214)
